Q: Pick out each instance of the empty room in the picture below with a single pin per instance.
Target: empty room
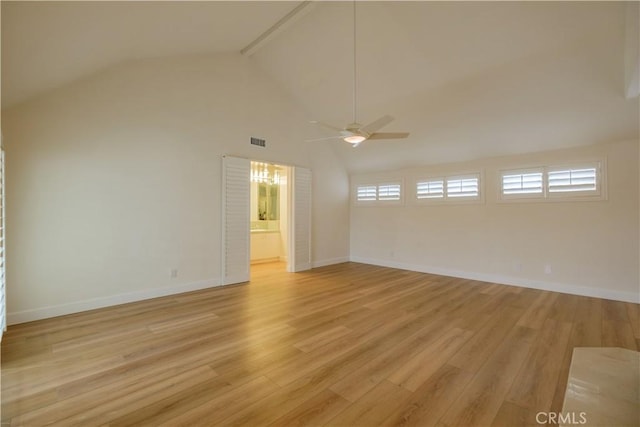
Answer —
(320, 213)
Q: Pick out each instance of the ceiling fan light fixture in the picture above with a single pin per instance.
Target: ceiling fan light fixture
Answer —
(354, 133)
(354, 139)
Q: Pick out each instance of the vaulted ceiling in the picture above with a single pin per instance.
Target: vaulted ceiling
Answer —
(47, 44)
(467, 79)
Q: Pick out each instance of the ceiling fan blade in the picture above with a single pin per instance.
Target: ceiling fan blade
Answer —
(326, 125)
(323, 139)
(388, 135)
(377, 124)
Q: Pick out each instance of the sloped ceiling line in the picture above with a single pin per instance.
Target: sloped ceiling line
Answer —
(632, 51)
(285, 22)
(467, 79)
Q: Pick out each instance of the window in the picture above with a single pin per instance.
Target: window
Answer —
(367, 193)
(389, 192)
(582, 181)
(522, 183)
(454, 188)
(433, 189)
(463, 187)
(570, 180)
(379, 194)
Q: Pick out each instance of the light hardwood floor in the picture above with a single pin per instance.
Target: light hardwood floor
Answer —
(348, 344)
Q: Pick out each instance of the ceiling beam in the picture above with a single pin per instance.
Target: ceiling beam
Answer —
(632, 51)
(298, 12)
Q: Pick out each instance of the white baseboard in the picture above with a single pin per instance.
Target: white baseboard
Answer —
(79, 306)
(330, 261)
(91, 304)
(264, 260)
(508, 280)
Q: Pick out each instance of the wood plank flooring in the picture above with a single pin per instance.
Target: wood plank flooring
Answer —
(344, 345)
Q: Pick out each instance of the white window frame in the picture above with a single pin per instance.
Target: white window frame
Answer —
(377, 201)
(432, 199)
(522, 196)
(599, 193)
(389, 184)
(446, 198)
(356, 192)
(595, 194)
(465, 177)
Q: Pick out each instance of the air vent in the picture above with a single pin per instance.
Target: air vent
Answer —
(259, 142)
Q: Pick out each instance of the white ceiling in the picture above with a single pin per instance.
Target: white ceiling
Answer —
(47, 44)
(467, 79)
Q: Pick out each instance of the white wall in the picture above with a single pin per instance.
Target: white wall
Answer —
(284, 214)
(114, 180)
(330, 208)
(592, 246)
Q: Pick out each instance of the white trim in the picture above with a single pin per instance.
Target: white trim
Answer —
(520, 197)
(447, 199)
(596, 194)
(600, 194)
(453, 196)
(427, 198)
(377, 183)
(291, 230)
(508, 280)
(94, 303)
(330, 261)
(3, 246)
(369, 187)
(265, 260)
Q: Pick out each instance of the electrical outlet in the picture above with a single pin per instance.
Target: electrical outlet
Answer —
(517, 266)
(547, 269)
(174, 273)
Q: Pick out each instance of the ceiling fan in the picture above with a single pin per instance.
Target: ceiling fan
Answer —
(355, 133)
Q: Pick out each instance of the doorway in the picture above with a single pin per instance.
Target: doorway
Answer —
(236, 219)
(269, 225)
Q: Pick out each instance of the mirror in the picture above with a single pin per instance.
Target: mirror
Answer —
(268, 202)
(265, 196)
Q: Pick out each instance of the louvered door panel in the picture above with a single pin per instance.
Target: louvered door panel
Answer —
(302, 219)
(3, 308)
(235, 220)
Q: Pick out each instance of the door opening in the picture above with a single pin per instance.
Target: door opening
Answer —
(269, 217)
(291, 199)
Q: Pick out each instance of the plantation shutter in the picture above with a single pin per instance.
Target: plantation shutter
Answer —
(522, 183)
(463, 187)
(433, 189)
(235, 220)
(3, 304)
(568, 180)
(388, 192)
(366, 193)
(301, 219)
